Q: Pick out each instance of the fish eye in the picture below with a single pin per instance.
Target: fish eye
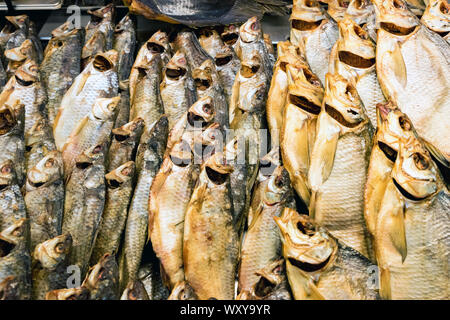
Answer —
(59, 44)
(49, 163)
(131, 295)
(404, 123)
(352, 112)
(59, 248)
(6, 169)
(420, 161)
(17, 232)
(207, 108)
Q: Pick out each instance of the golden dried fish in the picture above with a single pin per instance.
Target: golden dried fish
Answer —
(298, 131)
(61, 65)
(92, 130)
(148, 161)
(394, 128)
(230, 35)
(93, 46)
(211, 234)
(119, 185)
(49, 270)
(437, 17)
(412, 232)
(102, 280)
(363, 13)
(175, 180)
(17, 56)
(84, 203)
(320, 266)
(315, 33)
(337, 8)
(287, 54)
(98, 80)
(412, 59)
(353, 57)
(177, 88)
(124, 144)
(339, 163)
(44, 198)
(262, 244)
(187, 43)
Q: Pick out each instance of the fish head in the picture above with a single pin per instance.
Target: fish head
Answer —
(251, 66)
(104, 108)
(393, 128)
(182, 291)
(105, 270)
(124, 25)
(204, 75)
(337, 8)
(14, 23)
(128, 130)
(104, 13)
(7, 174)
(64, 30)
(21, 53)
(10, 288)
(91, 156)
(230, 34)
(80, 293)
(208, 140)
(120, 175)
(177, 67)
(224, 55)
(209, 35)
(437, 16)
(218, 167)
(105, 61)
(251, 30)
(181, 154)
(12, 235)
(268, 163)
(94, 45)
(201, 113)
(360, 7)
(37, 133)
(393, 16)
(48, 170)
(354, 46)
(271, 276)
(305, 245)
(304, 89)
(27, 74)
(135, 290)
(307, 15)
(158, 43)
(54, 251)
(8, 119)
(289, 54)
(415, 174)
(342, 102)
(278, 186)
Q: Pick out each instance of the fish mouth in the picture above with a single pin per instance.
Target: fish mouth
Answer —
(304, 104)
(102, 63)
(37, 184)
(202, 84)
(355, 60)
(397, 30)
(6, 121)
(249, 71)
(389, 152)
(405, 193)
(121, 137)
(443, 33)
(303, 25)
(263, 287)
(3, 186)
(336, 115)
(221, 61)
(195, 118)
(309, 267)
(175, 73)
(154, 47)
(23, 82)
(83, 165)
(230, 38)
(6, 248)
(113, 183)
(216, 177)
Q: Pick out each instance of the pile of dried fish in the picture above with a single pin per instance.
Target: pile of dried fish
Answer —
(209, 166)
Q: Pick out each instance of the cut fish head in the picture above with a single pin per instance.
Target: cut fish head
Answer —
(125, 24)
(181, 153)
(251, 65)
(415, 174)
(120, 175)
(90, 156)
(437, 16)
(337, 8)
(394, 17)
(305, 245)
(28, 73)
(105, 269)
(128, 130)
(230, 34)
(104, 108)
(48, 170)
(7, 174)
(201, 113)
(158, 43)
(251, 30)
(52, 252)
(104, 13)
(307, 15)
(14, 233)
(177, 67)
(64, 30)
(8, 119)
(20, 53)
(342, 102)
(105, 61)
(14, 23)
(204, 75)
(182, 291)
(277, 187)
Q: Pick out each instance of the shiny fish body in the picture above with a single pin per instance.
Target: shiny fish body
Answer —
(149, 275)
(119, 185)
(98, 80)
(147, 168)
(83, 205)
(44, 198)
(125, 44)
(339, 164)
(320, 266)
(187, 42)
(412, 60)
(101, 21)
(60, 66)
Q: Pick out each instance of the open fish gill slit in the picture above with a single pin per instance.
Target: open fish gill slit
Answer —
(263, 287)
(202, 84)
(102, 64)
(304, 104)
(390, 153)
(354, 60)
(23, 82)
(155, 47)
(6, 122)
(230, 38)
(405, 193)
(216, 177)
(113, 183)
(309, 267)
(175, 73)
(336, 115)
(305, 25)
(5, 248)
(193, 119)
(397, 30)
(221, 61)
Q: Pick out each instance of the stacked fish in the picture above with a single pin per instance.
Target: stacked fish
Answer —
(179, 171)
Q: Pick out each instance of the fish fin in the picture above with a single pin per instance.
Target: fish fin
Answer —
(322, 157)
(397, 232)
(397, 64)
(78, 128)
(254, 214)
(234, 100)
(304, 288)
(164, 277)
(385, 284)
(82, 82)
(437, 154)
(176, 133)
(312, 205)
